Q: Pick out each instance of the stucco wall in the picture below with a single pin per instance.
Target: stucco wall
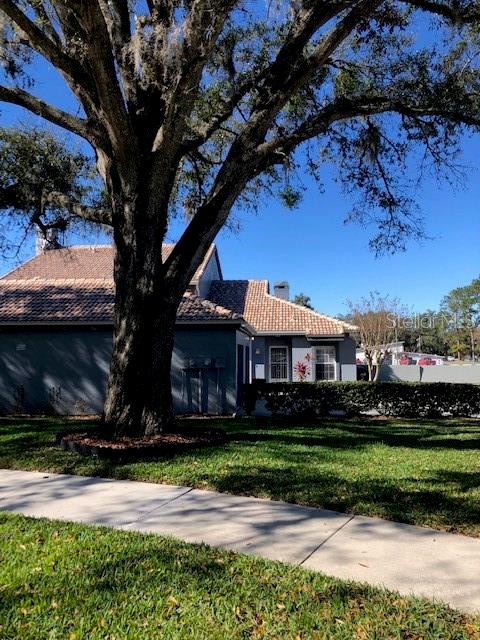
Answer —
(347, 351)
(66, 369)
(300, 348)
(258, 358)
(63, 369)
(447, 373)
(210, 273)
(302, 352)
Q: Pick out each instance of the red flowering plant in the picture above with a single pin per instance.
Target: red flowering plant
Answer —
(302, 369)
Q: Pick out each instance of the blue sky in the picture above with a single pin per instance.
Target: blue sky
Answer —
(317, 253)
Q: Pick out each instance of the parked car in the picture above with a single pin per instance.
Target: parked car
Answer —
(425, 362)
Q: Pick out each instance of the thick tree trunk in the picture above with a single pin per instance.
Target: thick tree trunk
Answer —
(139, 395)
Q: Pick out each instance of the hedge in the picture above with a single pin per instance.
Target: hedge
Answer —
(400, 399)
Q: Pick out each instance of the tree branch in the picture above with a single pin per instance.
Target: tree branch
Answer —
(122, 20)
(286, 63)
(40, 42)
(80, 126)
(454, 14)
(225, 112)
(90, 214)
(203, 25)
(345, 108)
(47, 23)
(10, 199)
(242, 163)
(111, 108)
(292, 75)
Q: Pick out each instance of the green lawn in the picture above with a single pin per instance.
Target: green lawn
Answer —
(73, 582)
(421, 472)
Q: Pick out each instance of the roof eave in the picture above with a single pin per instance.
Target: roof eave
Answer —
(309, 336)
(109, 323)
(55, 323)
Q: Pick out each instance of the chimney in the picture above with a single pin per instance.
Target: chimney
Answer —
(282, 290)
(47, 241)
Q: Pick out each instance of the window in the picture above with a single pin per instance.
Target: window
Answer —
(279, 364)
(325, 363)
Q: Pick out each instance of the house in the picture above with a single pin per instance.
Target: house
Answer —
(394, 352)
(398, 356)
(56, 313)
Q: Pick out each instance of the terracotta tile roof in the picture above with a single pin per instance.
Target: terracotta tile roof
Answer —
(59, 300)
(86, 300)
(95, 261)
(269, 314)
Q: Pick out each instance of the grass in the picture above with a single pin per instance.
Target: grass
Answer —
(75, 582)
(419, 472)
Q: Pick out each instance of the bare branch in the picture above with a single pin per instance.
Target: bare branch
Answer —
(57, 116)
(121, 20)
(286, 63)
(241, 165)
(110, 104)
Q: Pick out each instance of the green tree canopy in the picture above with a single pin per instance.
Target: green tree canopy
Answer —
(43, 186)
(303, 300)
(461, 309)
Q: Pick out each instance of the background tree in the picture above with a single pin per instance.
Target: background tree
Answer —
(303, 300)
(461, 311)
(44, 187)
(201, 104)
(424, 332)
(376, 318)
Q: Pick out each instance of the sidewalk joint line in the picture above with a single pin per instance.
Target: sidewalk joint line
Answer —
(334, 533)
(160, 506)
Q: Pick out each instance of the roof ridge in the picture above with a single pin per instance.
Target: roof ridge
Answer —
(309, 311)
(81, 246)
(241, 280)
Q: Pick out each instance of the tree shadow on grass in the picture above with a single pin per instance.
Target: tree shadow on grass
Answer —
(408, 500)
(358, 437)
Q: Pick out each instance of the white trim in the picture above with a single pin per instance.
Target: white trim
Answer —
(278, 346)
(315, 362)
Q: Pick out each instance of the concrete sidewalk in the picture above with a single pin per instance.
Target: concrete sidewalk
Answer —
(409, 559)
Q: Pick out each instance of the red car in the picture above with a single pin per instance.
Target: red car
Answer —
(424, 362)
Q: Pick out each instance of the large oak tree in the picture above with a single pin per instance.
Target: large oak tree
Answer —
(195, 103)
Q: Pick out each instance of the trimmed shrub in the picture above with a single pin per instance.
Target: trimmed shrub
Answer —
(399, 399)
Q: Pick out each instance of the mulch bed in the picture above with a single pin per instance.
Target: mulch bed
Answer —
(163, 444)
